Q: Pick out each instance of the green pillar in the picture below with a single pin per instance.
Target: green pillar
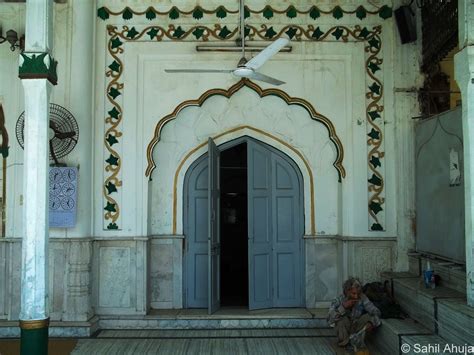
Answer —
(34, 337)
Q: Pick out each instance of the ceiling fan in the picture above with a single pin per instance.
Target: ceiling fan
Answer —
(246, 69)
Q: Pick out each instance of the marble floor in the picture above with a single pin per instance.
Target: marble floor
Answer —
(219, 341)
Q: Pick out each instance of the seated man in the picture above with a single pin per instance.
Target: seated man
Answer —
(351, 312)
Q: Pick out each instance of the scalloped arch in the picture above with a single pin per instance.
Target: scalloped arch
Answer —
(262, 93)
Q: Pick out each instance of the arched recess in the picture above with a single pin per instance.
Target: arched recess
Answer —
(262, 93)
(260, 135)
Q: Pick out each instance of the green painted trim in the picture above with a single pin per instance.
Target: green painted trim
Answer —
(314, 12)
(34, 341)
(38, 66)
(374, 95)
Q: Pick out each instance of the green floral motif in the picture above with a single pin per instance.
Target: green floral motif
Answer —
(178, 32)
(375, 88)
(337, 13)
(112, 160)
(361, 13)
(385, 12)
(174, 13)
(246, 12)
(4, 152)
(114, 113)
(116, 42)
(374, 115)
(34, 66)
(338, 33)
(270, 33)
(375, 207)
(373, 67)
(152, 33)
(127, 14)
(267, 12)
(103, 13)
(375, 161)
(221, 12)
(198, 32)
(150, 14)
(375, 180)
(132, 33)
(374, 43)
(317, 33)
(110, 188)
(113, 92)
(291, 12)
(115, 66)
(112, 226)
(291, 32)
(198, 13)
(374, 134)
(110, 207)
(111, 140)
(224, 32)
(314, 13)
(364, 33)
(376, 227)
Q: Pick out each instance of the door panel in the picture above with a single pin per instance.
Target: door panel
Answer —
(196, 243)
(288, 236)
(214, 227)
(259, 226)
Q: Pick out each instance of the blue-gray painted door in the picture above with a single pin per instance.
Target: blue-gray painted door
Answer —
(275, 229)
(214, 243)
(196, 235)
(259, 226)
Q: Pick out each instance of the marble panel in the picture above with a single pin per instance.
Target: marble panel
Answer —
(322, 282)
(57, 280)
(114, 277)
(162, 271)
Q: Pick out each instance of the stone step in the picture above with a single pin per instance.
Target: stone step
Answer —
(216, 333)
(455, 321)
(387, 337)
(420, 303)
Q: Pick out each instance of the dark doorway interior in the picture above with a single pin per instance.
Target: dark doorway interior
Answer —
(234, 241)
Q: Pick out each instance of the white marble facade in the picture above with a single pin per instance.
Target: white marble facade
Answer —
(99, 272)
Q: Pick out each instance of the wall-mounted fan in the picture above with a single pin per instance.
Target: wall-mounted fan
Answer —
(64, 132)
(246, 69)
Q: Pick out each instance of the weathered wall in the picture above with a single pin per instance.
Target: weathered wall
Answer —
(360, 84)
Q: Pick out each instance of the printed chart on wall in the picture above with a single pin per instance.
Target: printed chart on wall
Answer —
(62, 197)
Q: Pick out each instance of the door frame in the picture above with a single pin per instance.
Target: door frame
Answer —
(222, 147)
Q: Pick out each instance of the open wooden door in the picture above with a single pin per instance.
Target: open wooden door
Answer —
(259, 226)
(214, 227)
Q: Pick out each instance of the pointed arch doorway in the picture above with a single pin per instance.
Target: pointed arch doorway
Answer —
(243, 225)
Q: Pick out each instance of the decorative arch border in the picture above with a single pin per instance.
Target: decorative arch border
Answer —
(262, 93)
(266, 134)
(371, 37)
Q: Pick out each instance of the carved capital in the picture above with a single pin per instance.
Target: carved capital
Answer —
(39, 65)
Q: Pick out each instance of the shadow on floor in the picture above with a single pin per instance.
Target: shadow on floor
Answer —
(56, 346)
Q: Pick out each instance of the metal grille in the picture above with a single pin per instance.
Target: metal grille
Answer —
(439, 31)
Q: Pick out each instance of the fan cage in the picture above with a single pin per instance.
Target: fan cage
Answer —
(64, 123)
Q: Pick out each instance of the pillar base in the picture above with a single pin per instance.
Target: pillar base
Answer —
(34, 337)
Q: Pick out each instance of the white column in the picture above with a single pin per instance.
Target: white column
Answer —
(464, 73)
(34, 273)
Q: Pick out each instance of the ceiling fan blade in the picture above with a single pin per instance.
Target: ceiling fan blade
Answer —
(199, 70)
(257, 61)
(265, 78)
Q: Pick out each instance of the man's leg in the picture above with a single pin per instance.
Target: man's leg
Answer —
(359, 323)
(343, 327)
